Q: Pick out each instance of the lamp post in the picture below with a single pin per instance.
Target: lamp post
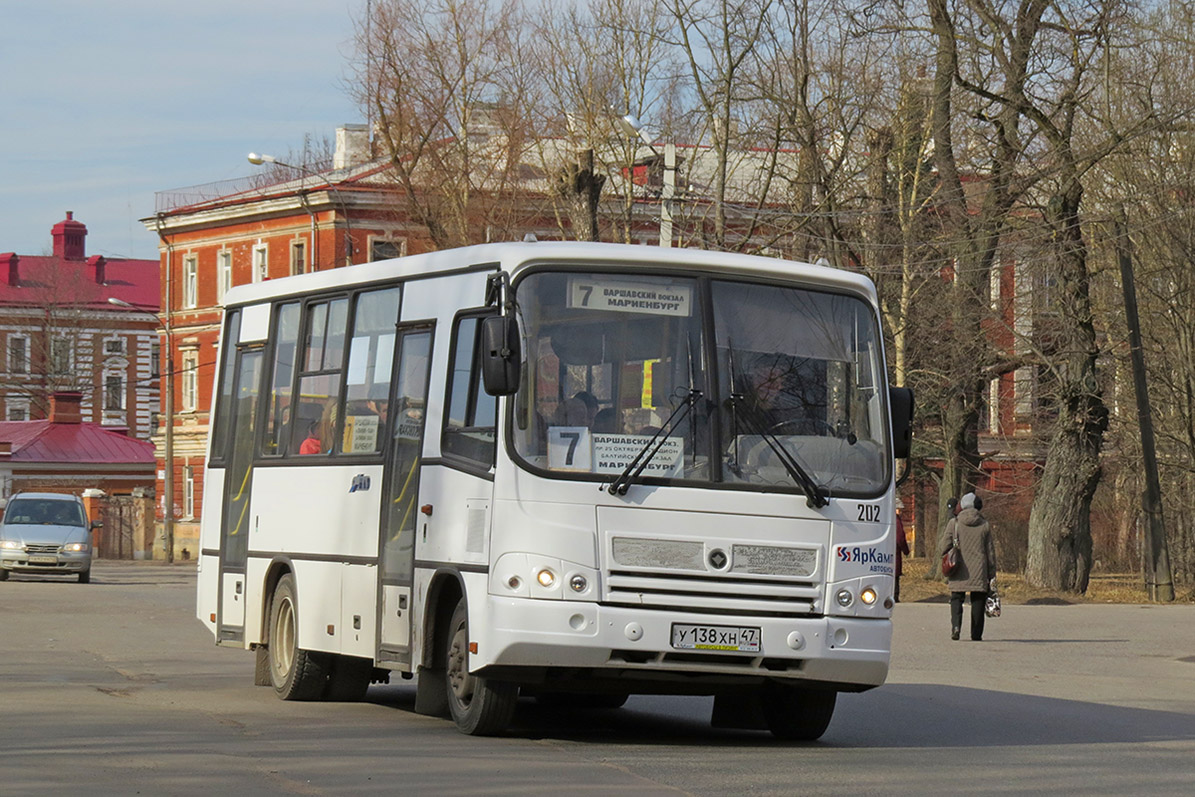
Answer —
(633, 127)
(257, 159)
(168, 454)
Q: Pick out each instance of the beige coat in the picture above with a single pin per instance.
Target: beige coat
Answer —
(977, 551)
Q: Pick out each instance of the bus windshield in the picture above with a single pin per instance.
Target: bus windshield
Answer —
(745, 378)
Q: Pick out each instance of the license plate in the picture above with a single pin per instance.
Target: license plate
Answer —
(734, 638)
(43, 560)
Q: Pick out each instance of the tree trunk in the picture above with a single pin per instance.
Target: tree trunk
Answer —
(1060, 521)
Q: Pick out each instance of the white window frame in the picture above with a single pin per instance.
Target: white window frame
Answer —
(25, 364)
(386, 239)
(261, 262)
(191, 281)
(223, 273)
(298, 266)
(188, 492)
(121, 393)
(190, 380)
(114, 350)
(60, 364)
(22, 404)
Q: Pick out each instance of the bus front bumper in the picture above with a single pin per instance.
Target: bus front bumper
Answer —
(848, 652)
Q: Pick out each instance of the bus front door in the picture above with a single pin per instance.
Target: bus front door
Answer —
(238, 481)
(400, 493)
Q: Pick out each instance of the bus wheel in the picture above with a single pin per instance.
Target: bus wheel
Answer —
(295, 674)
(479, 706)
(348, 679)
(796, 714)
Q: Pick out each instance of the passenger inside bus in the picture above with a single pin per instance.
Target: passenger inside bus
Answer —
(311, 444)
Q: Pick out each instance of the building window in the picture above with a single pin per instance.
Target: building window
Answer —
(298, 257)
(261, 263)
(155, 358)
(223, 274)
(18, 354)
(17, 409)
(190, 281)
(190, 375)
(382, 249)
(113, 392)
(114, 346)
(60, 355)
(188, 491)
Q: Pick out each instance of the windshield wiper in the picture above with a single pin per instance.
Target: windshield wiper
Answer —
(635, 468)
(815, 496)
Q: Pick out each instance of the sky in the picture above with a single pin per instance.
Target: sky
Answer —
(107, 102)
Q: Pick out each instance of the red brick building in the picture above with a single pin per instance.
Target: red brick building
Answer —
(73, 322)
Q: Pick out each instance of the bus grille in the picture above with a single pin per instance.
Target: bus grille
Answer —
(711, 594)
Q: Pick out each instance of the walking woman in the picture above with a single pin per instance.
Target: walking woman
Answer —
(976, 571)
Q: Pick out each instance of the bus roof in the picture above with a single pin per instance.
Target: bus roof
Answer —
(513, 257)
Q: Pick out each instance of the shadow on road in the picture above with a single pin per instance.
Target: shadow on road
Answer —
(894, 716)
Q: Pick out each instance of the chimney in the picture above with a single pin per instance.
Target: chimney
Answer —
(65, 407)
(352, 146)
(98, 262)
(69, 236)
(11, 259)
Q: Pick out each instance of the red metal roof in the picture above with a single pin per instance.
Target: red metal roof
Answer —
(54, 281)
(46, 441)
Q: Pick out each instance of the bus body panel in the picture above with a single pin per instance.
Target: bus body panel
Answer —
(455, 528)
(330, 510)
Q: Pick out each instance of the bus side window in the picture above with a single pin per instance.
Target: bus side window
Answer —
(471, 420)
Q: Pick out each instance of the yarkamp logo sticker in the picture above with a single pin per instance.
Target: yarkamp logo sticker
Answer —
(878, 561)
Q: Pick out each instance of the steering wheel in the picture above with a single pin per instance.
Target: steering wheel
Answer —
(824, 427)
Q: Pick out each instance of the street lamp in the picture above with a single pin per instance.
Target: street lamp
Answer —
(634, 128)
(258, 159)
(168, 456)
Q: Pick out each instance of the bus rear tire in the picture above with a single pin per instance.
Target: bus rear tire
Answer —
(795, 714)
(479, 706)
(295, 674)
(348, 679)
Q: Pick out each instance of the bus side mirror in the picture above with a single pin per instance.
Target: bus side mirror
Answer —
(500, 355)
(900, 404)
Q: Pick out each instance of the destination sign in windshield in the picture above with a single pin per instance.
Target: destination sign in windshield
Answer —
(630, 297)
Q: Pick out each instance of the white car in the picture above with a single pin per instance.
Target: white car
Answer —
(46, 534)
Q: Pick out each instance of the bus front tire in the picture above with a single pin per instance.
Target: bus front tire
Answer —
(479, 706)
(295, 674)
(795, 714)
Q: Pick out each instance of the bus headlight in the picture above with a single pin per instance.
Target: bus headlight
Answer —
(546, 578)
(844, 598)
(868, 596)
(578, 583)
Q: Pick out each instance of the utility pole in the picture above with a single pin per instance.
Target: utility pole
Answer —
(1158, 581)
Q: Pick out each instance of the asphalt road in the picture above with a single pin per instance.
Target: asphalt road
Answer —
(114, 687)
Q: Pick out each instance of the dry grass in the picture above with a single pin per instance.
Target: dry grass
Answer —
(1104, 588)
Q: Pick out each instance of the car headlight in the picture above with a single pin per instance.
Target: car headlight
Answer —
(75, 547)
(11, 545)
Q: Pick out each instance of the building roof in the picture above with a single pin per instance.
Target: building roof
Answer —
(45, 280)
(75, 443)
(68, 277)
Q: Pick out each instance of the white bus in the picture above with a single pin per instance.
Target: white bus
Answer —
(566, 471)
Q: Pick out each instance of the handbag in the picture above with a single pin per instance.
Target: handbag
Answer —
(991, 607)
(950, 558)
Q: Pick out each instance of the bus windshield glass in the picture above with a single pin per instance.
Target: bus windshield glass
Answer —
(779, 382)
